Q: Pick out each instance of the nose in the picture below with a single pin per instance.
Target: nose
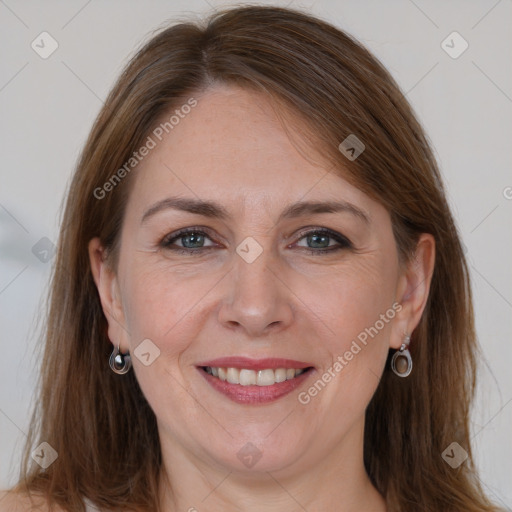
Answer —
(258, 301)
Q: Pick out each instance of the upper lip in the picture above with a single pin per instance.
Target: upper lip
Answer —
(254, 364)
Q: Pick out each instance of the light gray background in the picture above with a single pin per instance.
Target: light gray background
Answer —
(465, 104)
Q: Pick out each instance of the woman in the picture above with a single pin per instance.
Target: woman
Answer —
(260, 300)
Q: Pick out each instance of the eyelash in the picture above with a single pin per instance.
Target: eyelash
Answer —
(166, 243)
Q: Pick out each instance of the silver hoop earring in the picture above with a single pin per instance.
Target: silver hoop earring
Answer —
(401, 362)
(120, 363)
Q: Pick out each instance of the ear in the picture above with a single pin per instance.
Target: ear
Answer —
(413, 289)
(108, 288)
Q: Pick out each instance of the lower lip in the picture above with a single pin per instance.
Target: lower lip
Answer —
(255, 394)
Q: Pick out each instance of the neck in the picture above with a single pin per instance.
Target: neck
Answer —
(335, 482)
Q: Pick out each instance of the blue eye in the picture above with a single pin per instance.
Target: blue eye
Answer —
(319, 238)
(193, 239)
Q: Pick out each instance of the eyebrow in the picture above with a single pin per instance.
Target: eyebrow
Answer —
(214, 210)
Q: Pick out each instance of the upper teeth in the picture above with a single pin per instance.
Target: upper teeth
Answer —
(246, 377)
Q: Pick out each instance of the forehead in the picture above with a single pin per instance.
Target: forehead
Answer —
(233, 147)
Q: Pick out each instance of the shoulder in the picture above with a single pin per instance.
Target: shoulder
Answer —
(11, 501)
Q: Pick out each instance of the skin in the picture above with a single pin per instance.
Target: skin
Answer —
(288, 303)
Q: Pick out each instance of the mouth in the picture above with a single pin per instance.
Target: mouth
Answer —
(253, 381)
(247, 377)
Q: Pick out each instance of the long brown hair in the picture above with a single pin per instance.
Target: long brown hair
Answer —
(103, 429)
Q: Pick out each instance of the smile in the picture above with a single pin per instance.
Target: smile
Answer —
(247, 377)
(254, 381)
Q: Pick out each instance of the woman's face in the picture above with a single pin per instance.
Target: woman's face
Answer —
(264, 278)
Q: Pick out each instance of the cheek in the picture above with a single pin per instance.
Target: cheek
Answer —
(159, 306)
(161, 298)
(355, 305)
(350, 298)
(157, 299)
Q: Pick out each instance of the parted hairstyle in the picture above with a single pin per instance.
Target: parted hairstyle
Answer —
(101, 425)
